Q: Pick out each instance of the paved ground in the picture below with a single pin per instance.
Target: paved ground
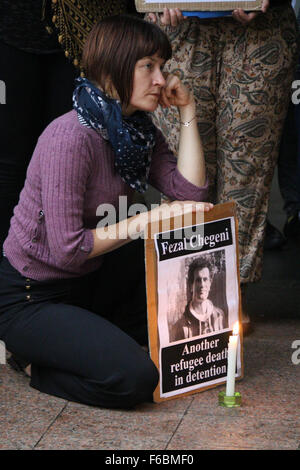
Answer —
(268, 419)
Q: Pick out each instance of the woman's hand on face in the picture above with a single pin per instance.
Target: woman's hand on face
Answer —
(175, 93)
(242, 17)
(169, 17)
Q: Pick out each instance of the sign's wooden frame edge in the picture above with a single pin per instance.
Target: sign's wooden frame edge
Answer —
(143, 7)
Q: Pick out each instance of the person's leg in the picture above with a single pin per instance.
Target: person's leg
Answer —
(120, 292)
(288, 177)
(297, 120)
(274, 239)
(297, 109)
(292, 225)
(75, 354)
(287, 164)
(253, 101)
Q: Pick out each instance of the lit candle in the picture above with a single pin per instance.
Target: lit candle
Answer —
(231, 363)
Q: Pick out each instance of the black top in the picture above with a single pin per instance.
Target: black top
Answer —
(22, 26)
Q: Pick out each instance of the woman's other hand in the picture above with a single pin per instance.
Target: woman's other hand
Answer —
(175, 93)
(242, 17)
(170, 17)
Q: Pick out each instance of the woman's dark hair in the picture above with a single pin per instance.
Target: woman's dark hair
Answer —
(113, 47)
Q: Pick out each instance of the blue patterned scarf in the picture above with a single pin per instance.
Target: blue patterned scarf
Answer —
(132, 137)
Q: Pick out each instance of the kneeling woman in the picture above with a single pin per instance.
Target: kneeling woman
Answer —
(72, 297)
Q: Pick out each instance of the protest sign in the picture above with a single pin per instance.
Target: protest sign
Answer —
(193, 297)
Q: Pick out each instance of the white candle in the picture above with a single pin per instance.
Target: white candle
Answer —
(231, 361)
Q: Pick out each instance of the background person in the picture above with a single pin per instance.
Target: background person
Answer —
(105, 148)
(240, 68)
(289, 163)
(289, 170)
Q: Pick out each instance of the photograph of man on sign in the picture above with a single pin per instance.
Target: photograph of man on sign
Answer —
(203, 314)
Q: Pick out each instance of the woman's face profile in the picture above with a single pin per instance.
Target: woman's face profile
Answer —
(148, 80)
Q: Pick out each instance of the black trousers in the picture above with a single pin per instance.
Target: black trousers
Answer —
(81, 336)
(38, 89)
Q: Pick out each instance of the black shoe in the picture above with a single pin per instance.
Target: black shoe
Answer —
(292, 226)
(274, 239)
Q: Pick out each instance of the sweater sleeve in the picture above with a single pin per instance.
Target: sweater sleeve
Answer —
(66, 163)
(165, 176)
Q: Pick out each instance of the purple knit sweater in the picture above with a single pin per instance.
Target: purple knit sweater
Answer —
(70, 174)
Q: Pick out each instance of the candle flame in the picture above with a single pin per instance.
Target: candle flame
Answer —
(236, 328)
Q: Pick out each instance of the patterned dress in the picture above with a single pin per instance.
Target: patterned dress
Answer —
(241, 77)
